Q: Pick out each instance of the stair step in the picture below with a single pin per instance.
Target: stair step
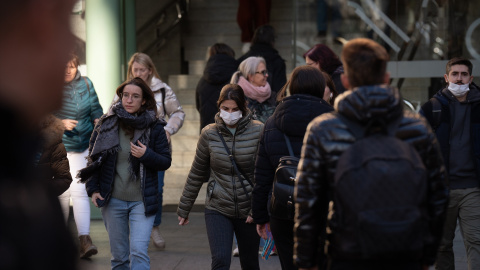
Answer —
(183, 143)
(182, 159)
(196, 67)
(182, 82)
(191, 113)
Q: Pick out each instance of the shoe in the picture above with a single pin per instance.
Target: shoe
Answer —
(246, 47)
(235, 252)
(87, 249)
(157, 238)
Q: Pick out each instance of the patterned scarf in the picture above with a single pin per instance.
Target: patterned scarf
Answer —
(108, 142)
(258, 93)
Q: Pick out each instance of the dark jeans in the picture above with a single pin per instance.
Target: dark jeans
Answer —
(158, 217)
(220, 231)
(374, 265)
(282, 231)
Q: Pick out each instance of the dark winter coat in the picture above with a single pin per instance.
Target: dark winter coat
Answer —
(225, 193)
(291, 118)
(336, 76)
(328, 137)
(217, 73)
(156, 158)
(80, 102)
(53, 160)
(277, 75)
(443, 129)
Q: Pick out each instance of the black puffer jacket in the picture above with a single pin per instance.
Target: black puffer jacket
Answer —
(291, 117)
(328, 137)
(277, 75)
(156, 158)
(53, 161)
(217, 73)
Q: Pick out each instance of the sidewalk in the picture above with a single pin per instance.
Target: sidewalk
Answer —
(187, 247)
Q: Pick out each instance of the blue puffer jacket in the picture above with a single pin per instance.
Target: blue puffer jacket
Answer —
(156, 158)
(81, 105)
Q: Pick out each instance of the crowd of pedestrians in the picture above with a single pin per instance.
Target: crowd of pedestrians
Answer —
(376, 187)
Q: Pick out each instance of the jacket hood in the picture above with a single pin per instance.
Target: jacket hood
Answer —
(219, 69)
(473, 95)
(157, 84)
(293, 113)
(368, 102)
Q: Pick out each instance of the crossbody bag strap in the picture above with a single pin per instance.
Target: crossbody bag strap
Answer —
(289, 145)
(232, 159)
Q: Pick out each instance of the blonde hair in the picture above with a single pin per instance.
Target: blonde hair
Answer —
(247, 67)
(145, 60)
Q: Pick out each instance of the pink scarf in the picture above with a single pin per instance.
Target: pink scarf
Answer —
(258, 93)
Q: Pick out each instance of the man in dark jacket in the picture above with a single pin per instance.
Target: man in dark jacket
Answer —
(36, 41)
(456, 121)
(262, 45)
(328, 136)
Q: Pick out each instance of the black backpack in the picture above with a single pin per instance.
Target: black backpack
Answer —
(379, 197)
(282, 205)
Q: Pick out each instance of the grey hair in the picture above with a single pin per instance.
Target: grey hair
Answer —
(247, 67)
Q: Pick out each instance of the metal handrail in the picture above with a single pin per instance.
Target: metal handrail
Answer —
(161, 36)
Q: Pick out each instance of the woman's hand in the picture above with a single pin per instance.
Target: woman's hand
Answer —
(95, 196)
(262, 230)
(69, 124)
(182, 221)
(249, 219)
(138, 151)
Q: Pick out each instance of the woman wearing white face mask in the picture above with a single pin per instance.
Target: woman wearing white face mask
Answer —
(252, 76)
(229, 191)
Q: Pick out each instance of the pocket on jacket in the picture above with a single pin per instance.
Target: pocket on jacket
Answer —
(210, 189)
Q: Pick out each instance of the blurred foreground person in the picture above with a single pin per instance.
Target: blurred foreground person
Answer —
(36, 41)
(371, 185)
(127, 149)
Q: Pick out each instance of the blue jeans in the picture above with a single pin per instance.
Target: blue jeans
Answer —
(220, 231)
(129, 232)
(158, 217)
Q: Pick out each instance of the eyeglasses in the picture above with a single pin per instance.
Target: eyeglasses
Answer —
(134, 96)
(263, 72)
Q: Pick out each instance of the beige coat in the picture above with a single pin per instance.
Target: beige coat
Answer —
(225, 193)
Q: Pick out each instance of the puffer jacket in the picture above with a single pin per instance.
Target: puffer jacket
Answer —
(225, 193)
(81, 105)
(53, 160)
(291, 117)
(217, 73)
(156, 158)
(173, 109)
(328, 137)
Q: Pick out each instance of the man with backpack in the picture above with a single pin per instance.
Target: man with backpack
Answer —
(371, 185)
(454, 114)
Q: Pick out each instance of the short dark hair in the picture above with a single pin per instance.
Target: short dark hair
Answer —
(459, 61)
(147, 93)
(221, 48)
(233, 92)
(264, 34)
(325, 57)
(365, 62)
(304, 80)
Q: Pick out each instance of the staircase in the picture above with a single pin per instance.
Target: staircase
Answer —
(209, 22)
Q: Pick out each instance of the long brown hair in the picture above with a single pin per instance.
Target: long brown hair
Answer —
(304, 80)
(147, 94)
(233, 92)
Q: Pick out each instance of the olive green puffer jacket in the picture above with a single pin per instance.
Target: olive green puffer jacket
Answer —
(225, 193)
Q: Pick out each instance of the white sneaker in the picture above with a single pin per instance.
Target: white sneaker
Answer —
(235, 252)
(157, 238)
(246, 47)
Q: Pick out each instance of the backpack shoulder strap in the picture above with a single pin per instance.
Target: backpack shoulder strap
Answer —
(163, 101)
(436, 112)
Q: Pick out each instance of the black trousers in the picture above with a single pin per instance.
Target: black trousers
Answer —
(220, 237)
(282, 231)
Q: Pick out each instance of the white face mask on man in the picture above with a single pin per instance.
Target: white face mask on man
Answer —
(458, 90)
(230, 118)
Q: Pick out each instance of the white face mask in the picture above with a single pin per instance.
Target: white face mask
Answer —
(230, 118)
(458, 90)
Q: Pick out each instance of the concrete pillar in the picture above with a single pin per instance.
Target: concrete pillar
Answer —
(130, 31)
(104, 47)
